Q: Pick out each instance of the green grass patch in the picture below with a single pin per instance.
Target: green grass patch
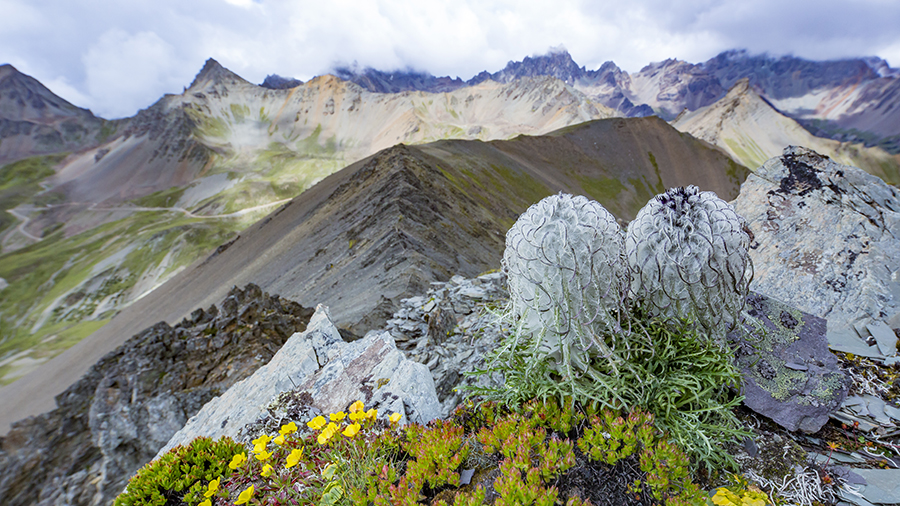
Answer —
(44, 274)
(20, 181)
(163, 198)
(239, 112)
(107, 129)
(208, 126)
(602, 189)
(312, 146)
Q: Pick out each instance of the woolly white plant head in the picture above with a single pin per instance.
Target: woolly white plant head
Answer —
(567, 278)
(688, 253)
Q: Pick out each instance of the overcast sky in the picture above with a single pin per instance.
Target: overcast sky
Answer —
(118, 56)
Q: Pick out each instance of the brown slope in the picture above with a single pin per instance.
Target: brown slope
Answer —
(382, 228)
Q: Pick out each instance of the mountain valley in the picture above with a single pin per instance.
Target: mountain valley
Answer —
(384, 181)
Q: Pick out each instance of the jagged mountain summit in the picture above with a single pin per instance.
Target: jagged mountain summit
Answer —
(848, 100)
(35, 121)
(385, 227)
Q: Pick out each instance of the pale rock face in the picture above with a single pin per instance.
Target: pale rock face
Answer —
(827, 238)
(335, 373)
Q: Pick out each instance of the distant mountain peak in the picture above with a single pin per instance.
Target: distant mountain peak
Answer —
(397, 80)
(557, 62)
(214, 72)
(7, 70)
(277, 82)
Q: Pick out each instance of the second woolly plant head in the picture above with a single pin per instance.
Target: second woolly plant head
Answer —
(689, 257)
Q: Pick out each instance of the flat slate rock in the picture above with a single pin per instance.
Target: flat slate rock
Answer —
(882, 487)
(789, 374)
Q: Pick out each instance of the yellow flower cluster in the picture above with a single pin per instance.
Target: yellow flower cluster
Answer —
(348, 424)
(750, 497)
(358, 416)
(262, 454)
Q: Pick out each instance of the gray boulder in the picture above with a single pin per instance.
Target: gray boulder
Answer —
(827, 238)
(318, 365)
(788, 373)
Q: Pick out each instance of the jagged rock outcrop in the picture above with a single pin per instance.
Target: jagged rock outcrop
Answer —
(128, 405)
(317, 365)
(35, 121)
(827, 238)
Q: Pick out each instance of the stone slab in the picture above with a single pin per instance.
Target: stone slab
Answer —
(884, 337)
(789, 374)
(882, 485)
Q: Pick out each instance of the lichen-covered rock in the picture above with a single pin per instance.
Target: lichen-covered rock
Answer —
(115, 418)
(789, 375)
(827, 237)
(319, 366)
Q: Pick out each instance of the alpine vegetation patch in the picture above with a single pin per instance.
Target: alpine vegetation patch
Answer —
(628, 320)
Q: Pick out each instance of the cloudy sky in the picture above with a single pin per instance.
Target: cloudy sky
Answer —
(118, 56)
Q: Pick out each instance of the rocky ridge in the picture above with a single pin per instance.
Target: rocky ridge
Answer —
(34, 121)
(130, 403)
(848, 100)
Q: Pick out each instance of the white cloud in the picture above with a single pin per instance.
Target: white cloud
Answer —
(118, 56)
(121, 68)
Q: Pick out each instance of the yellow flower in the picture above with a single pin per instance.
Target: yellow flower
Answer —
(245, 496)
(357, 415)
(371, 414)
(324, 436)
(213, 488)
(262, 440)
(279, 440)
(357, 406)
(287, 429)
(394, 418)
(294, 458)
(205, 502)
(337, 417)
(263, 455)
(332, 428)
(238, 459)
(351, 430)
(316, 423)
(266, 471)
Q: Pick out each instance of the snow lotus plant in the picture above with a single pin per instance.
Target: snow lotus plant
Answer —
(567, 279)
(688, 253)
(632, 321)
